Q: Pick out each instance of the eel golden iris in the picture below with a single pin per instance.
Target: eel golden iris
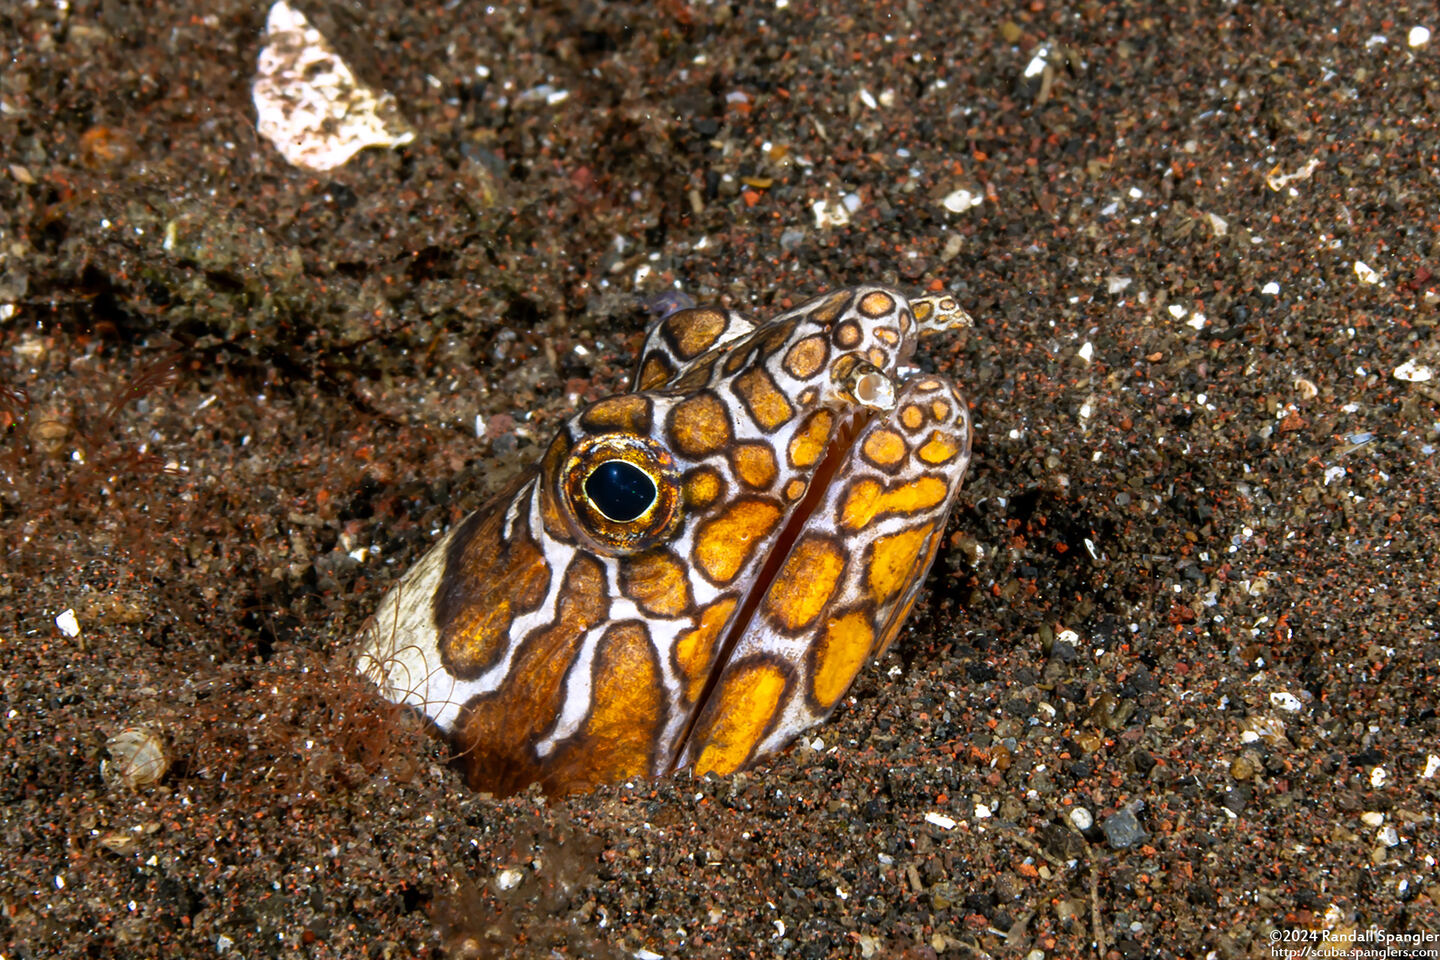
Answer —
(695, 571)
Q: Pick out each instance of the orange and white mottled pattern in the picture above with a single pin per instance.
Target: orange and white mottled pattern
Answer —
(801, 483)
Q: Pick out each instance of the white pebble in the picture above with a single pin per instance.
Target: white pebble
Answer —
(1419, 36)
(940, 820)
(68, 623)
(958, 201)
(1036, 66)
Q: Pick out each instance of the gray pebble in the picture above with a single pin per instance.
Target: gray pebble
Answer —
(1122, 828)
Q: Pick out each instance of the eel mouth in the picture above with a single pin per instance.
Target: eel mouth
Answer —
(838, 448)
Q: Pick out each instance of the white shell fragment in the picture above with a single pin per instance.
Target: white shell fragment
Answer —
(940, 820)
(1260, 727)
(1285, 700)
(1366, 273)
(308, 102)
(138, 758)
(1277, 179)
(1412, 372)
(830, 213)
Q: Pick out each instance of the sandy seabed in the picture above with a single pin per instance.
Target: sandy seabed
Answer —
(1190, 588)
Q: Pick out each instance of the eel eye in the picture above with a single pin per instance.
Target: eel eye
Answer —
(621, 492)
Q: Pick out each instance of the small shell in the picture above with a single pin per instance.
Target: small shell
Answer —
(139, 757)
(120, 841)
(50, 433)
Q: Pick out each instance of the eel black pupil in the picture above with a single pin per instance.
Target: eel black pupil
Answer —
(621, 490)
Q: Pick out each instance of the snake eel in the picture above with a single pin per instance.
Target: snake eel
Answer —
(696, 570)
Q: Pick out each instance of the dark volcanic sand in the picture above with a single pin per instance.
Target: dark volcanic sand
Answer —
(240, 398)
